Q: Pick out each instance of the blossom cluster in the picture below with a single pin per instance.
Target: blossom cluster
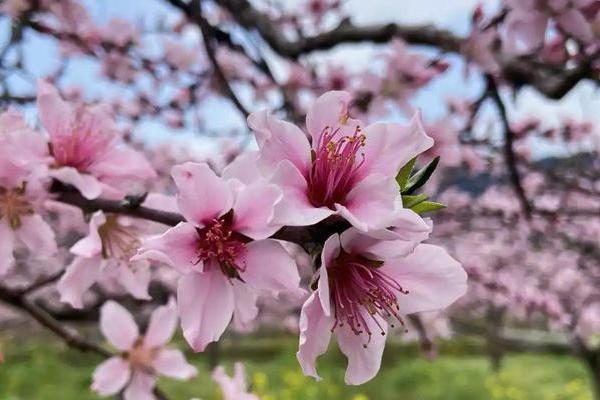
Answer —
(339, 179)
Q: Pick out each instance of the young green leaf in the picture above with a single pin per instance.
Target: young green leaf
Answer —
(427, 206)
(421, 176)
(409, 201)
(404, 174)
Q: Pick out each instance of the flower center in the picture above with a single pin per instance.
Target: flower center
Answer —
(13, 205)
(118, 240)
(220, 244)
(140, 357)
(357, 284)
(334, 167)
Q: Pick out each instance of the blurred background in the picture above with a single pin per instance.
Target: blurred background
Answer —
(516, 126)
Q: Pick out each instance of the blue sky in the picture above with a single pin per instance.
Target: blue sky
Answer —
(41, 57)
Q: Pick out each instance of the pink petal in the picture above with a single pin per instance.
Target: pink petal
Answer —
(205, 306)
(202, 195)
(244, 168)
(88, 185)
(56, 115)
(363, 363)
(330, 110)
(91, 245)
(123, 162)
(278, 274)
(117, 325)
(6, 247)
(162, 325)
(140, 387)
(407, 231)
(315, 334)
(389, 146)
(111, 376)
(172, 363)
(176, 247)
(433, 278)
(295, 209)
(245, 309)
(371, 203)
(79, 276)
(279, 140)
(253, 209)
(135, 277)
(331, 250)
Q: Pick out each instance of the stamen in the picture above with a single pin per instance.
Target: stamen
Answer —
(217, 242)
(359, 289)
(334, 167)
(14, 205)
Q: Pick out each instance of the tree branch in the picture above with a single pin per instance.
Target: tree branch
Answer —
(509, 152)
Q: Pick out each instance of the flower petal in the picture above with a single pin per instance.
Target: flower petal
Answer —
(331, 250)
(176, 247)
(56, 115)
(295, 209)
(123, 162)
(244, 168)
(315, 334)
(202, 195)
(433, 279)
(37, 235)
(79, 276)
(118, 326)
(135, 277)
(245, 309)
(279, 140)
(162, 325)
(7, 243)
(363, 353)
(91, 245)
(172, 363)
(371, 203)
(279, 273)
(330, 110)
(253, 209)
(205, 306)
(88, 185)
(111, 376)
(140, 387)
(390, 146)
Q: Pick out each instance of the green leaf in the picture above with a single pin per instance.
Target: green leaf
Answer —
(404, 174)
(421, 176)
(409, 201)
(427, 206)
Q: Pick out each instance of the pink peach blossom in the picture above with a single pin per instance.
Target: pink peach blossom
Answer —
(86, 150)
(141, 358)
(358, 291)
(23, 162)
(348, 171)
(222, 251)
(104, 254)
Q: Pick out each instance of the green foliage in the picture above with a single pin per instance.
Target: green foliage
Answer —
(404, 174)
(427, 206)
(419, 178)
(44, 369)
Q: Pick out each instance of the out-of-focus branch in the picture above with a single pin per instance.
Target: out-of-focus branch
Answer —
(72, 338)
(551, 81)
(193, 11)
(509, 151)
